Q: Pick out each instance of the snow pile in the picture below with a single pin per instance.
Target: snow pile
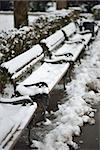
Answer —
(82, 91)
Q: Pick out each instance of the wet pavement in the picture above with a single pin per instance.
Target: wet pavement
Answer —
(90, 136)
(57, 96)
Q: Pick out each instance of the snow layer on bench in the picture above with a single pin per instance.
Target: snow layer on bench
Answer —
(16, 63)
(54, 40)
(85, 37)
(15, 99)
(96, 28)
(17, 74)
(73, 48)
(12, 117)
(49, 73)
(69, 29)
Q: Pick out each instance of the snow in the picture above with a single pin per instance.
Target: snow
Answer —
(96, 7)
(6, 22)
(12, 117)
(7, 19)
(47, 73)
(15, 99)
(16, 63)
(72, 48)
(69, 29)
(75, 8)
(86, 37)
(54, 40)
(77, 110)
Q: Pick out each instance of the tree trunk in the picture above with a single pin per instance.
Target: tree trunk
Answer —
(20, 13)
(61, 4)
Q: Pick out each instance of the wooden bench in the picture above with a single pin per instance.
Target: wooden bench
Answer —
(69, 30)
(52, 70)
(15, 115)
(73, 47)
(57, 39)
(52, 42)
(23, 62)
(71, 33)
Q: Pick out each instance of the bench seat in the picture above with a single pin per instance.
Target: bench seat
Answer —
(13, 120)
(48, 73)
(71, 48)
(86, 37)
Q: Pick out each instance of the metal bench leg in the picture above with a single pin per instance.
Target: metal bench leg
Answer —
(29, 136)
(64, 82)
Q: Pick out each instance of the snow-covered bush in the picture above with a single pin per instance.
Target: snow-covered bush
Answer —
(16, 41)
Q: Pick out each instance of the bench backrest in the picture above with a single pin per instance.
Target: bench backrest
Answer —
(21, 61)
(54, 40)
(69, 29)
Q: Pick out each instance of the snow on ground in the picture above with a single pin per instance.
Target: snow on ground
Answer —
(7, 21)
(83, 91)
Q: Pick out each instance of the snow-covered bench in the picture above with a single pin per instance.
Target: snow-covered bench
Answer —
(52, 73)
(23, 62)
(15, 115)
(71, 33)
(66, 53)
(69, 30)
(53, 41)
(52, 70)
(57, 39)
